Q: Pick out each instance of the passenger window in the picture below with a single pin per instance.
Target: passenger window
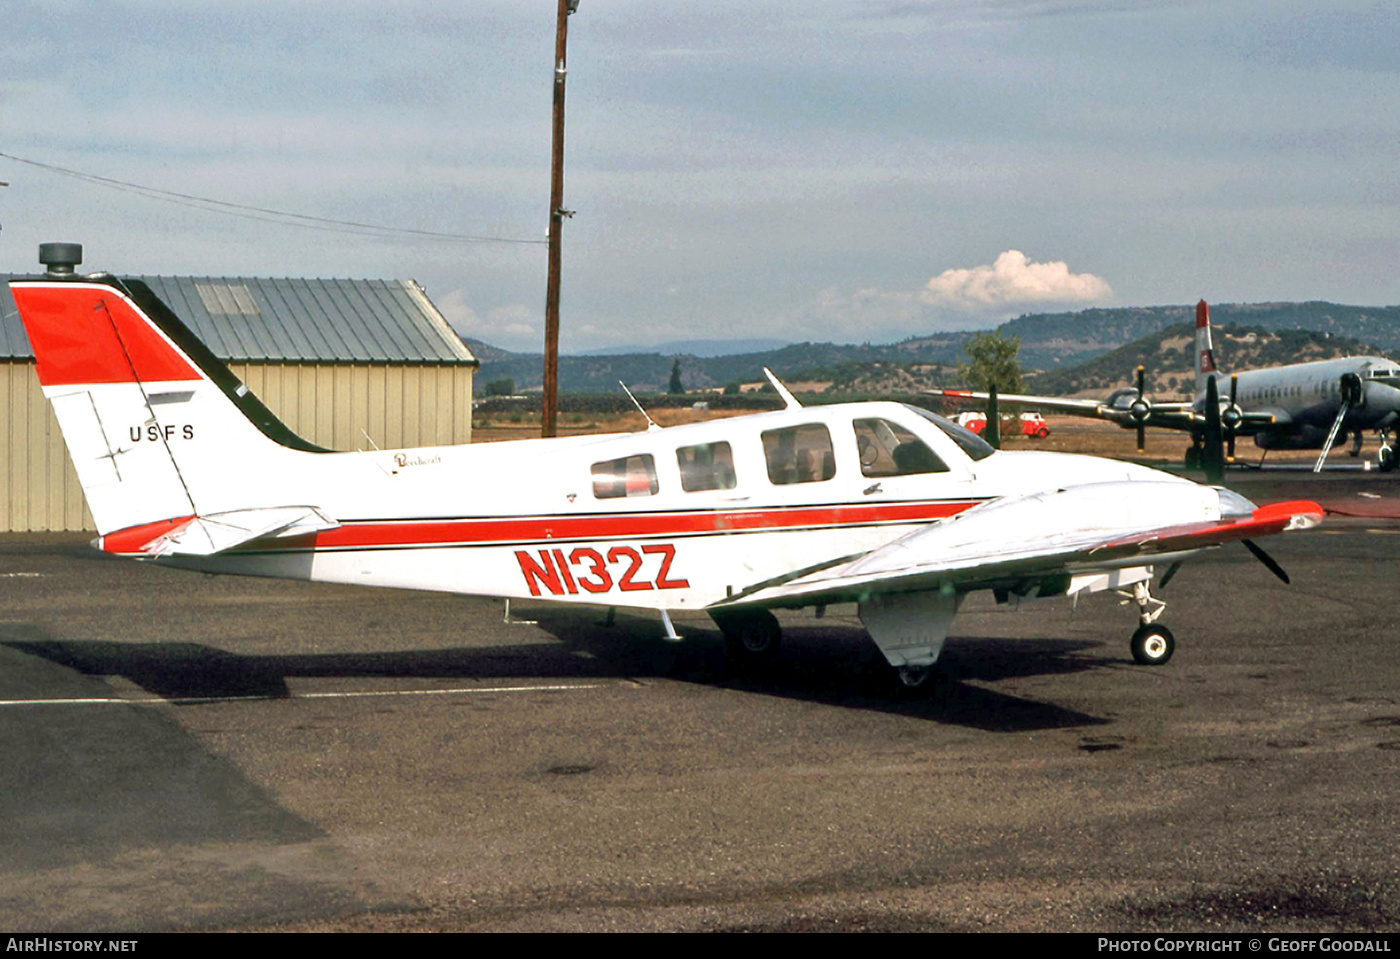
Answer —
(707, 466)
(801, 454)
(629, 476)
(888, 449)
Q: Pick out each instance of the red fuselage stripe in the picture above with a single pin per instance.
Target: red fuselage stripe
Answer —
(493, 531)
(481, 532)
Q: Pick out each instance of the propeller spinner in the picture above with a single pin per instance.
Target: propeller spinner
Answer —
(1139, 410)
(1231, 417)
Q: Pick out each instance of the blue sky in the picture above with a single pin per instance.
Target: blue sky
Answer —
(813, 170)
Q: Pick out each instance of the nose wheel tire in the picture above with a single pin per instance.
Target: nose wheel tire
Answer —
(911, 678)
(1153, 645)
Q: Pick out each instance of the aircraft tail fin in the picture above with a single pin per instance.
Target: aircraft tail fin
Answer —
(1205, 353)
(158, 428)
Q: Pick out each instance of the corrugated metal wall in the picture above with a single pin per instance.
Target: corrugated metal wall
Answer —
(38, 487)
(397, 406)
(332, 406)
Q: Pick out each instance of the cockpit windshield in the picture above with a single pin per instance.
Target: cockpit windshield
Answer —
(969, 442)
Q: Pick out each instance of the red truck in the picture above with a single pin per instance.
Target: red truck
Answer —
(1030, 423)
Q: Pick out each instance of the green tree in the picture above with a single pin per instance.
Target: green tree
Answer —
(676, 388)
(502, 387)
(991, 361)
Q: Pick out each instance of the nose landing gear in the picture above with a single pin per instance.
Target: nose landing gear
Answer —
(1152, 644)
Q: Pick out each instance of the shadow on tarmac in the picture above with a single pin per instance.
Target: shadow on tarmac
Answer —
(829, 664)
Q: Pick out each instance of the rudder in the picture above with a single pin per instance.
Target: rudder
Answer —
(1205, 353)
(158, 428)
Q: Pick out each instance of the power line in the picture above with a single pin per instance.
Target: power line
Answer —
(264, 214)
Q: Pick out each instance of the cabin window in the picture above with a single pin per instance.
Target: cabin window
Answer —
(705, 467)
(888, 449)
(629, 476)
(801, 454)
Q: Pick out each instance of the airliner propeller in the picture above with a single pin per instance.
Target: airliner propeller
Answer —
(1139, 410)
(1212, 452)
(1217, 440)
(1231, 417)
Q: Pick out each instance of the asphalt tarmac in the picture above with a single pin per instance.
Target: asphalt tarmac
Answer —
(189, 752)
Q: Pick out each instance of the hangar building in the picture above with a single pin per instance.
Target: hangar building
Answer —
(346, 364)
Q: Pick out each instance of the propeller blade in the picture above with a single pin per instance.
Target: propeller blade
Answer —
(1171, 571)
(992, 434)
(1212, 455)
(1141, 421)
(1266, 559)
(1234, 418)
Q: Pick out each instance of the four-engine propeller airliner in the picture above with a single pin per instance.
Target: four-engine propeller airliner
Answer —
(1301, 406)
(885, 505)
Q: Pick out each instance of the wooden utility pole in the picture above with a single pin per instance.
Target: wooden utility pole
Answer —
(557, 214)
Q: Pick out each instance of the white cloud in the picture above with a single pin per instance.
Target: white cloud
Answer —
(512, 326)
(1013, 280)
(457, 311)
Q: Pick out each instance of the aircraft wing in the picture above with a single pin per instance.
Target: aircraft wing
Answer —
(1050, 543)
(1169, 415)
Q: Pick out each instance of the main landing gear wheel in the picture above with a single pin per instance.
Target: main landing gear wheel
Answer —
(1386, 458)
(752, 637)
(1153, 645)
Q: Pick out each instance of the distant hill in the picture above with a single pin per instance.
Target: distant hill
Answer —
(1051, 342)
(651, 372)
(695, 348)
(1169, 357)
(486, 353)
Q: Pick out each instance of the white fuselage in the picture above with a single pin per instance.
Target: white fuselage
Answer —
(533, 519)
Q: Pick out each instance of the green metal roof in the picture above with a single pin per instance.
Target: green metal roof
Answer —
(251, 319)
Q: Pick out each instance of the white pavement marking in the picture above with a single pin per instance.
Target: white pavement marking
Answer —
(200, 700)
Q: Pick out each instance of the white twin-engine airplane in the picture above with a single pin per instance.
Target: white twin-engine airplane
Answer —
(880, 504)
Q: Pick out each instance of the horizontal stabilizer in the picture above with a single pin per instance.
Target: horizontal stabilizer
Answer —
(218, 532)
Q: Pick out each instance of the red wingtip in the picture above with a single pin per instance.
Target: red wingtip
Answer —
(1202, 314)
(1286, 512)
